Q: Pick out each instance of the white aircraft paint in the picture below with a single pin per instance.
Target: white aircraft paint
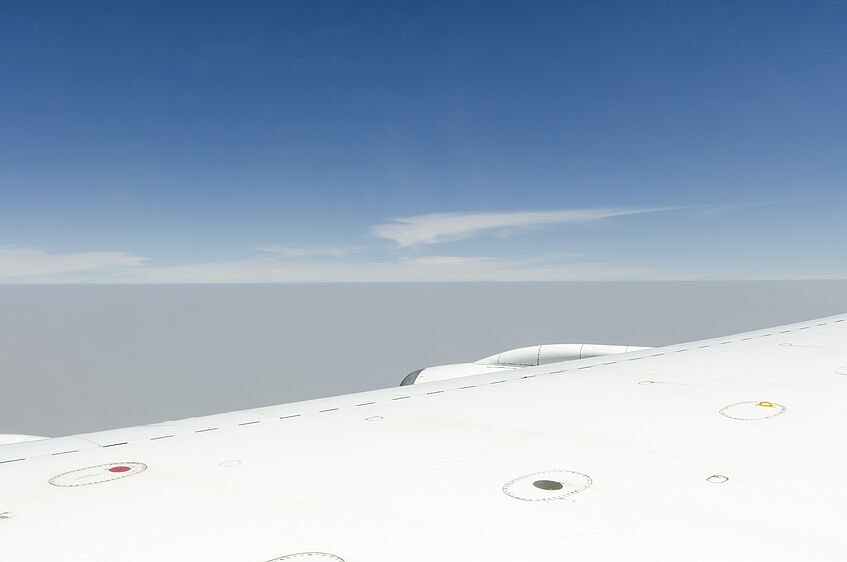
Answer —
(648, 468)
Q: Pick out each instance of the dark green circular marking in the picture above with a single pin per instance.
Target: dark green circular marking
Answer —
(547, 485)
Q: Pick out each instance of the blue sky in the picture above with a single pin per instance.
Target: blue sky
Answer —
(340, 141)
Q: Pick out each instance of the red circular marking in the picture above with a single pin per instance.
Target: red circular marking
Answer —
(120, 469)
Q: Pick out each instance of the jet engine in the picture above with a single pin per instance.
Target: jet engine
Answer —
(516, 358)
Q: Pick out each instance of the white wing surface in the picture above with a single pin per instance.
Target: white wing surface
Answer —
(726, 449)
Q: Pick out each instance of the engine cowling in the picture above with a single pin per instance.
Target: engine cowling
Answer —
(516, 358)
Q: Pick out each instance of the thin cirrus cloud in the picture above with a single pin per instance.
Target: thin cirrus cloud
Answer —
(18, 262)
(436, 228)
(36, 266)
(421, 269)
(291, 251)
(286, 263)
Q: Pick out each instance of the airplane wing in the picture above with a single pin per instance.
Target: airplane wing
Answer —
(724, 449)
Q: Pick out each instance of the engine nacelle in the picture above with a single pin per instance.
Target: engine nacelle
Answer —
(515, 359)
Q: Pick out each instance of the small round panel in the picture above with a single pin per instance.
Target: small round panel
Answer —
(752, 410)
(717, 479)
(309, 557)
(98, 474)
(548, 485)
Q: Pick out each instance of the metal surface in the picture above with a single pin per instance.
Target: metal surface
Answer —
(424, 478)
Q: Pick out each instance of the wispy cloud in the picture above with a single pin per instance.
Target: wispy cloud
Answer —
(420, 269)
(449, 227)
(35, 266)
(291, 251)
(31, 262)
(290, 263)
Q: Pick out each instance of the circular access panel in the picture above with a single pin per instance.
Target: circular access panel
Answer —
(752, 410)
(309, 557)
(548, 485)
(98, 474)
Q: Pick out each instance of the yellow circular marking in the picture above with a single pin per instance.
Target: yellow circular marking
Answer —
(766, 405)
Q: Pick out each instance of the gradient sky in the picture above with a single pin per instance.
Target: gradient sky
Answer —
(343, 141)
